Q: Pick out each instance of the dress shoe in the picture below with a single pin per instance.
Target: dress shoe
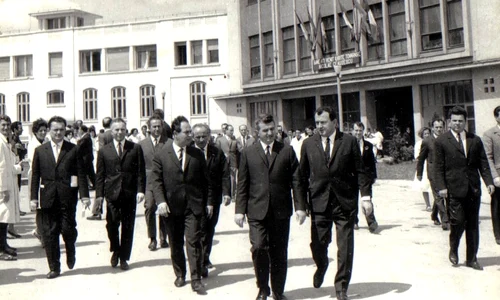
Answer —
(10, 251)
(22, 213)
(446, 226)
(164, 244)
(373, 227)
(94, 218)
(279, 297)
(319, 275)
(14, 234)
(209, 265)
(342, 295)
(179, 282)
(498, 241)
(475, 265)
(453, 257)
(204, 272)
(124, 265)
(114, 259)
(53, 274)
(437, 223)
(196, 285)
(262, 295)
(70, 261)
(356, 226)
(152, 245)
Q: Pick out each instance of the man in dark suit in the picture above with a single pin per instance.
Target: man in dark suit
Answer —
(120, 165)
(427, 153)
(86, 151)
(460, 158)
(333, 173)
(220, 180)
(268, 170)
(104, 138)
(150, 145)
(57, 177)
(370, 165)
(182, 192)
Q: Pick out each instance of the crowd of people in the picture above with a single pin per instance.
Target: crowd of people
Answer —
(184, 174)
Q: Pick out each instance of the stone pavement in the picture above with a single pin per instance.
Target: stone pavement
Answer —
(406, 259)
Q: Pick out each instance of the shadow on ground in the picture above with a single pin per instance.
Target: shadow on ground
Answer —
(360, 290)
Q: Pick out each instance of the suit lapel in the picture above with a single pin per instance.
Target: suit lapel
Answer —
(173, 156)
(261, 152)
(469, 140)
(453, 140)
(274, 153)
(50, 153)
(187, 158)
(63, 152)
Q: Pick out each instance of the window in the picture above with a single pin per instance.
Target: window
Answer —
(289, 50)
(118, 102)
(346, 44)
(23, 107)
(180, 54)
(254, 56)
(430, 25)
(397, 27)
(55, 97)
(117, 59)
(2, 104)
(24, 66)
(198, 98)
(267, 107)
(56, 23)
(90, 61)
(80, 22)
(376, 39)
(268, 54)
(147, 100)
(146, 57)
(304, 51)
(55, 64)
(329, 23)
(455, 23)
(350, 108)
(213, 51)
(196, 52)
(90, 104)
(4, 68)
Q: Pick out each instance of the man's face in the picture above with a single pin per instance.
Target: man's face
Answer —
(437, 128)
(243, 130)
(280, 129)
(324, 125)
(19, 130)
(457, 123)
(144, 129)
(118, 131)
(57, 132)
(297, 133)
(230, 131)
(357, 132)
(5, 128)
(267, 132)
(156, 128)
(185, 137)
(201, 137)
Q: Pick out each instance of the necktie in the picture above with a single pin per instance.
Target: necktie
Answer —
(181, 156)
(327, 150)
(244, 141)
(268, 154)
(120, 150)
(156, 142)
(460, 142)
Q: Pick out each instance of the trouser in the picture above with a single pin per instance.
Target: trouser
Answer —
(121, 212)
(439, 207)
(3, 236)
(91, 174)
(370, 219)
(495, 212)
(97, 207)
(150, 215)
(208, 232)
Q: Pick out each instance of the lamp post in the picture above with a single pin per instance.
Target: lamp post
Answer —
(338, 69)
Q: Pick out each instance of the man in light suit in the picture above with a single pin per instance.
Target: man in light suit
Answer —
(183, 194)
(333, 173)
(491, 140)
(267, 171)
(121, 179)
(460, 158)
(245, 140)
(227, 143)
(57, 177)
(154, 142)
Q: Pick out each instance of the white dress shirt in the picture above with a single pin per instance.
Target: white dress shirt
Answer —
(56, 148)
(332, 139)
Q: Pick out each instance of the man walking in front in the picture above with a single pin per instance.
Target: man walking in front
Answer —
(267, 170)
(460, 158)
(121, 179)
(333, 173)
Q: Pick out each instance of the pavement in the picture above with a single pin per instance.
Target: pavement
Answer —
(407, 258)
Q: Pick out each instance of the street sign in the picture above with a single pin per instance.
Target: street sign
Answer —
(339, 60)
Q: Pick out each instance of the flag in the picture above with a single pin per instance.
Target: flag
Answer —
(302, 27)
(344, 15)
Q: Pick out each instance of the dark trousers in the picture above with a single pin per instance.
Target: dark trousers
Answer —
(187, 225)
(321, 237)
(208, 231)
(269, 240)
(150, 214)
(59, 219)
(370, 219)
(495, 212)
(439, 207)
(464, 216)
(91, 174)
(3, 236)
(121, 212)
(19, 181)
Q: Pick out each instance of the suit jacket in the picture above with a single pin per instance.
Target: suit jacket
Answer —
(105, 138)
(249, 141)
(491, 141)
(120, 175)
(53, 178)
(369, 161)
(86, 151)
(456, 172)
(167, 131)
(218, 173)
(263, 186)
(427, 152)
(181, 189)
(148, 150)
(230, 149)
(344, 175)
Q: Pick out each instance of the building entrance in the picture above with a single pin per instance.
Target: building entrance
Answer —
(298, 113)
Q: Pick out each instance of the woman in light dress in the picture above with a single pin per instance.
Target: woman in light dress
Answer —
(134, 136)
(423, 186)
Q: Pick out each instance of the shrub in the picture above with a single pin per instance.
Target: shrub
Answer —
(396, 146)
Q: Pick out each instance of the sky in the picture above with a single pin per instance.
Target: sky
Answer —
(14, 14)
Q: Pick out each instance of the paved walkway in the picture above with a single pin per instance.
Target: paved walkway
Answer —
(406, 259)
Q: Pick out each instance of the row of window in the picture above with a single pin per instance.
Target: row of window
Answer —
(432, 33)
(198, 101)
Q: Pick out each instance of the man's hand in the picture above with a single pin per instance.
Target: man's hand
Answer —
(139, 197)
(443, 193)
(419, 178)
(367, 207)
(496, 182)
(227, 200)
(491, 189)
(210, 211)
(33, 204)
(300, 216)
(239, 219)
(163, 209)
(86, 203)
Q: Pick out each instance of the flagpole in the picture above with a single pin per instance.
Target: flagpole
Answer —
(338, 72)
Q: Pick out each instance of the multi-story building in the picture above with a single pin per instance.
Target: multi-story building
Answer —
(422, 58)
(81, 70)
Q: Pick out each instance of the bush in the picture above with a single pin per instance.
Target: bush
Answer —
(396, 146)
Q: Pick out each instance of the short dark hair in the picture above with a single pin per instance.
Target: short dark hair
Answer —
(496, 111)
(5, 118)
(152, 118)
(118, 120)
(263, 118)
(57, 119)
(106, 122)
(201, 125)
(15, 125)
(101, 130)
(457, 110)
(37, 124)
(436, 119)
(176, 123)
(159, 112)
(360, 124)
(84, 128)
(422, 130)
(331, 112)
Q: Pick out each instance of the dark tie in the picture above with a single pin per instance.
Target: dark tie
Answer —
(327, 150)
(120, 150)
(204, 152)
(461, 143)
(156, 141)
(268, 154)
(181, 156)
(244, 141)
